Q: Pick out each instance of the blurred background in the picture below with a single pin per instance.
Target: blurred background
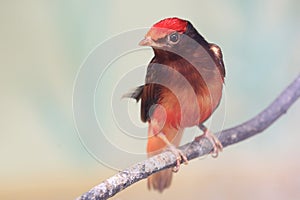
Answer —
(44, 43)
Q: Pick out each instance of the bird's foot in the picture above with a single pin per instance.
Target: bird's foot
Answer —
(217, 145)
(180, 156)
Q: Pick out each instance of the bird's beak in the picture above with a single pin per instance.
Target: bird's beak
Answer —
(147, 41)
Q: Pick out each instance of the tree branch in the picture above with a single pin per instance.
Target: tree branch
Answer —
(142, 170)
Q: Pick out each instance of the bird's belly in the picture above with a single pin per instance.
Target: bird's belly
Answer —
(186, 109)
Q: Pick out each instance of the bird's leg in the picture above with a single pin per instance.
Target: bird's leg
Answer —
(178, 153)
(217, 145)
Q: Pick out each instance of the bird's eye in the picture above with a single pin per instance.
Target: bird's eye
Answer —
(174, 38)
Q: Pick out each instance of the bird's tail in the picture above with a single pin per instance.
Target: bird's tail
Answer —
(162, 180)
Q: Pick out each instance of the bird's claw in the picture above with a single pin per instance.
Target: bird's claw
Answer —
(180, 156)
(217, 145)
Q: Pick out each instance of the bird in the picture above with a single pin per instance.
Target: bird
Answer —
(183, 87)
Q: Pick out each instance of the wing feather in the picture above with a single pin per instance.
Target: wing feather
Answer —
(151, 92)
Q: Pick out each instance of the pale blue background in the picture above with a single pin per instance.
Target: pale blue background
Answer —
(43, 44)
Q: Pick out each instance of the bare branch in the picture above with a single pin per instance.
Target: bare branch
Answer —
(142, 170)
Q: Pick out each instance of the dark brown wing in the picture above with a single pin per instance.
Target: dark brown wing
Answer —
(148, 93)
(135, 94)
(151, 91)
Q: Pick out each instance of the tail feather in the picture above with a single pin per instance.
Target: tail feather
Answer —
(162, 180)
(135, 94)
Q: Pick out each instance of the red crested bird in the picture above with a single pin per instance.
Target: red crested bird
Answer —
(182, 89)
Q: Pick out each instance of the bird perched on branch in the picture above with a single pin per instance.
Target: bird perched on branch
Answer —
(182, 89)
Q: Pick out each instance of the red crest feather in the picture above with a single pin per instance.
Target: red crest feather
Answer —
(173, 23)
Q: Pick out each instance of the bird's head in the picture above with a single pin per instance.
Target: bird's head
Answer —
(165, 33)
